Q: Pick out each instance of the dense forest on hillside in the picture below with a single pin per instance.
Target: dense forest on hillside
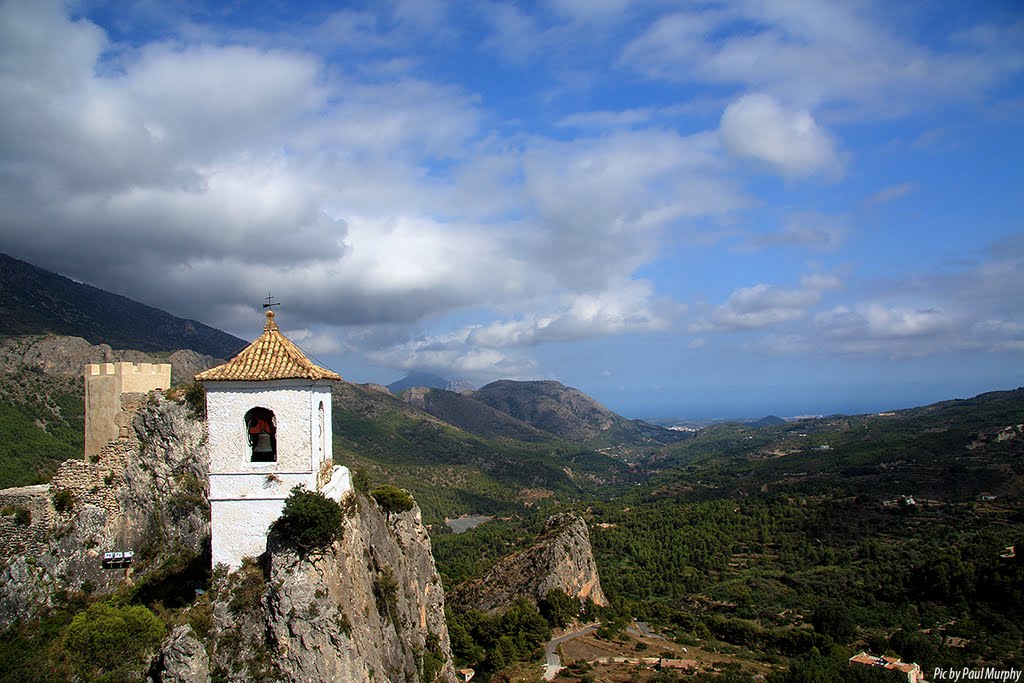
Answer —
(785, 576)
(800, 544)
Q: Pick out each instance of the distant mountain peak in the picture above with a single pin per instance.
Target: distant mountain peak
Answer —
(418, 378)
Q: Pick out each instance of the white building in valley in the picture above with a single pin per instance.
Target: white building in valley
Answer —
(269, 416)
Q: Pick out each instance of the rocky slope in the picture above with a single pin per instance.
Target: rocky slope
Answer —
(62, 356)
(560, 559)
(35, 301)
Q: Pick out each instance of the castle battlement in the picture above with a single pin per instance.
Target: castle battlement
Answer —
(105, 384)
(126, 368)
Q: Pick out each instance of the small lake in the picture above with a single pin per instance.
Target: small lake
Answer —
(460, 524)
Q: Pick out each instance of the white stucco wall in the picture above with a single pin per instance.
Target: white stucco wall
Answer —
(258, 485)
(239, 529)
(322, 448)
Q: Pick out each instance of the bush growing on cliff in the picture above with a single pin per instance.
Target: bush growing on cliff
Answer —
(392, 499)
(112, 643)
(385, 592)
(195, 399)
(309, 520)
(360, 480)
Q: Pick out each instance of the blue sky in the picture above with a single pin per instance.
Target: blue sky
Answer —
(681, 208)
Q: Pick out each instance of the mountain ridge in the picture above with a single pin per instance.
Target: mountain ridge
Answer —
(473, 416)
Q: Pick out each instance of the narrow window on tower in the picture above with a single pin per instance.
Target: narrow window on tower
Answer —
(320, 425)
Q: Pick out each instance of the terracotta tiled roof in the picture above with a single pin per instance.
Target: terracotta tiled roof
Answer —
(271, 356)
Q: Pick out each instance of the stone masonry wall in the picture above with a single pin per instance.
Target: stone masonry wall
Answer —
(16, 537)
(97, 483)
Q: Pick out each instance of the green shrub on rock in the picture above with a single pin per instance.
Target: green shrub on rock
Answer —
(113, 643)
(309, 520)
(392, 499)
(22, 515)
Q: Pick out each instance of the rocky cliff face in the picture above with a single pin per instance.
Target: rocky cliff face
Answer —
(560, 559)
(369, 608)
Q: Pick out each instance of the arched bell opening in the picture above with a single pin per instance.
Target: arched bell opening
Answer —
(261, 429)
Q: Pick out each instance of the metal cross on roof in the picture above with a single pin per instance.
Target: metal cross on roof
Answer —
(270, 301)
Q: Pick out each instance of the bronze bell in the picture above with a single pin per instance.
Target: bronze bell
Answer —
(264, 446)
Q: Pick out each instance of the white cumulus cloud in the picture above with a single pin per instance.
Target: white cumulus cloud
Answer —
(790, 141)
(764, 305)
(874, 320)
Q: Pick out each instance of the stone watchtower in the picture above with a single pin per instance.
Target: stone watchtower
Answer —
(104, 385)
(269, 416)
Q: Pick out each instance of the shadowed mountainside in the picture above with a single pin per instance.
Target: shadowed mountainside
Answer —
(36, 301)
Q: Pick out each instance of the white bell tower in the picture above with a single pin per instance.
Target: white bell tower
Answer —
(269, 416)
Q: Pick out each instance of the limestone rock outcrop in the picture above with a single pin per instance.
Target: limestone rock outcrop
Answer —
(182, 659)
(562, 558)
